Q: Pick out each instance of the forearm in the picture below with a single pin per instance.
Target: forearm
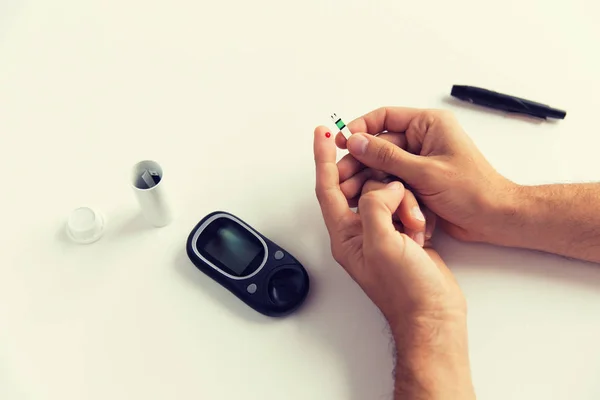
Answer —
(433, 362)
(562, 219)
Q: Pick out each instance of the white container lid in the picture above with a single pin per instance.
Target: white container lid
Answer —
(85, 225)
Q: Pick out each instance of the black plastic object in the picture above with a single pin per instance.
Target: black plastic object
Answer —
(504, 102)
(259, 272)
(286, 286)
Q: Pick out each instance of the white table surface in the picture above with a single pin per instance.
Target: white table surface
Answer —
(225, 96)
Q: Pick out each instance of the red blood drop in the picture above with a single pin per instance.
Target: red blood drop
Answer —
(328, 135)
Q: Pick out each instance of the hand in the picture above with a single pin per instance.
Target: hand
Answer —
(405, 281)
(408, 218)
(412, 287)
(429, 151)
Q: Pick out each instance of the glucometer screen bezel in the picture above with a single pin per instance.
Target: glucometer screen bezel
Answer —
(205, 233)
(227, 244)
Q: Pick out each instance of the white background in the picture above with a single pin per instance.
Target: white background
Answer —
(225, 95)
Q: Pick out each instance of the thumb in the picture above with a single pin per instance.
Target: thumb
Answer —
(382, 155)
(376, 209)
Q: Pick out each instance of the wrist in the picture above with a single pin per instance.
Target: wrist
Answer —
(505, 216)
(433, 359)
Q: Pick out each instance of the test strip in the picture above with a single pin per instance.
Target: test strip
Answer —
(341, 126)
(147, 178)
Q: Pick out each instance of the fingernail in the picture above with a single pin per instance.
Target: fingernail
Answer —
(393, 185)
(417, 214)
(419, 238)
(428, 232)
(357, 144)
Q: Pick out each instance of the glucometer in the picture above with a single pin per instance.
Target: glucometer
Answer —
(259, 272)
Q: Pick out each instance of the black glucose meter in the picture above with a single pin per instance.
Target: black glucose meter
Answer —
(259, 272)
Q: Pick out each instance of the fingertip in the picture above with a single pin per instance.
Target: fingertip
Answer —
(354, 137)
(431, 220)
(419, 238)
(324, 149)
(340, 141)
(395, 185)
(357, 144)
(417, 214)
(414, 222)
(410, 213)
(391, 195)
(321, 131)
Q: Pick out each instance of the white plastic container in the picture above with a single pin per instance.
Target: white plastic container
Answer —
(147, 182)
(85, 225)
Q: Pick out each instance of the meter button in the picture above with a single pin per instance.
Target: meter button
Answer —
(278, 255)
(287, 287)
(251, 288)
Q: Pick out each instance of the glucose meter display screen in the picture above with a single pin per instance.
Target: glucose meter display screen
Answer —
(231, 245)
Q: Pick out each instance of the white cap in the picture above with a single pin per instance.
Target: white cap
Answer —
(85, 225)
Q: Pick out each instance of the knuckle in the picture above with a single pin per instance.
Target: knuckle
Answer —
(369, 186)
(431, 114)
(425, 120)
(430, 117)
(368, 200)
(320, 195)
(323, 196)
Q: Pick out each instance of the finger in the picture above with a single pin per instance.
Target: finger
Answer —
(372, 185)
(375, 184)
(408, 212)
(376, 209)
(331, 199)
(349, 165)
(430, 220)
(381, 176)
(412, 218)
(353, 186)
(340, 141)
(380, 154)
(395, 119)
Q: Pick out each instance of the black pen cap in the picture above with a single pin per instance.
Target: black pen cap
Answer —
(460, 91)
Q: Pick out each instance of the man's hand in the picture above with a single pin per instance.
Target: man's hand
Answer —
(429, 151)
(411, 286)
